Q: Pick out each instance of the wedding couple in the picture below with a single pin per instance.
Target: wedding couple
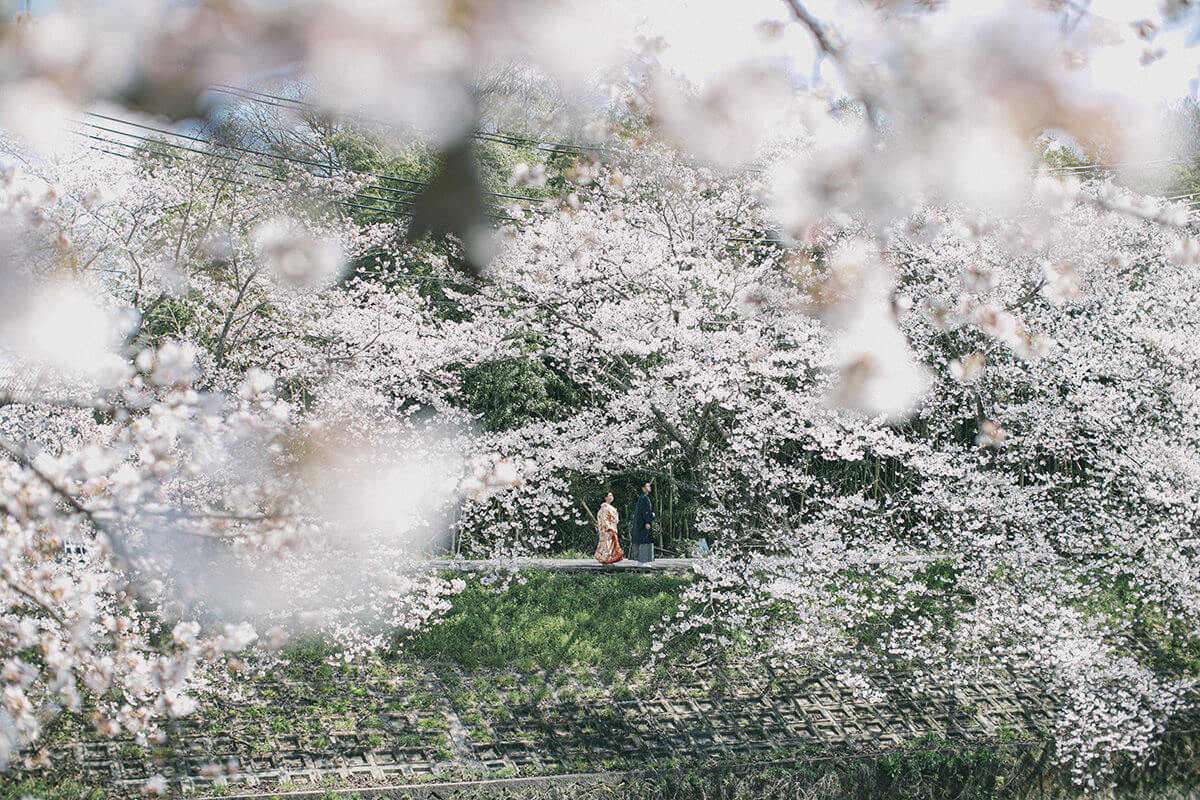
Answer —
(609, 550)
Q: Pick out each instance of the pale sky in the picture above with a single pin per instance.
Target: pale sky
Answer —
(708, 37)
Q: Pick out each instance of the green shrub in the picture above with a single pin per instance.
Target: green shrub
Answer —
(554, 621)
(44, 790)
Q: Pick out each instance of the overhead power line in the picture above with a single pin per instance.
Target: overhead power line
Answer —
(281, 101)
(330, 168)
(267, 98)
(1116, 165)
(146, 141)
(400, 207)
(391, 205)
(397, 207)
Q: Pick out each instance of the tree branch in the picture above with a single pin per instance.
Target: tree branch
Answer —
(18, 454)
(821, 35)
(660, 475)
(219, 350)
(1027, 297)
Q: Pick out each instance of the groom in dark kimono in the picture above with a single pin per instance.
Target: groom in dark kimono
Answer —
(643, 541)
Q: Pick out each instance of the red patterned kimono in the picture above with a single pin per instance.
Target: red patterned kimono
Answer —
(608, 551)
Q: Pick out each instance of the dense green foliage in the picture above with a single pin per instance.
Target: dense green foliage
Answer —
(1157, 641)
(1186, 180)
(554, 620)
(512, 393)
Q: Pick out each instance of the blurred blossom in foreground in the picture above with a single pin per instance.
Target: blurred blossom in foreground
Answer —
(296, 257)
(956, 100)
(359, 517)
(877, 373)
(411, 64)
(61, 328)
(731, 120)
(391, 488)
(358, 50)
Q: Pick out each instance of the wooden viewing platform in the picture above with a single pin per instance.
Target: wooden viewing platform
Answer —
(672, 565)
(564, 564)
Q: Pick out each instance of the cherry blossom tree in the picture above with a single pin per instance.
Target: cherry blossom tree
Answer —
(930, 403)
(163, 503)
(986, 532)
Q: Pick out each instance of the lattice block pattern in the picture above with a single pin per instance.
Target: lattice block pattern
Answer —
(382, 726)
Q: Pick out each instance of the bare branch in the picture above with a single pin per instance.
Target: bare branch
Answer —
(821, 35)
